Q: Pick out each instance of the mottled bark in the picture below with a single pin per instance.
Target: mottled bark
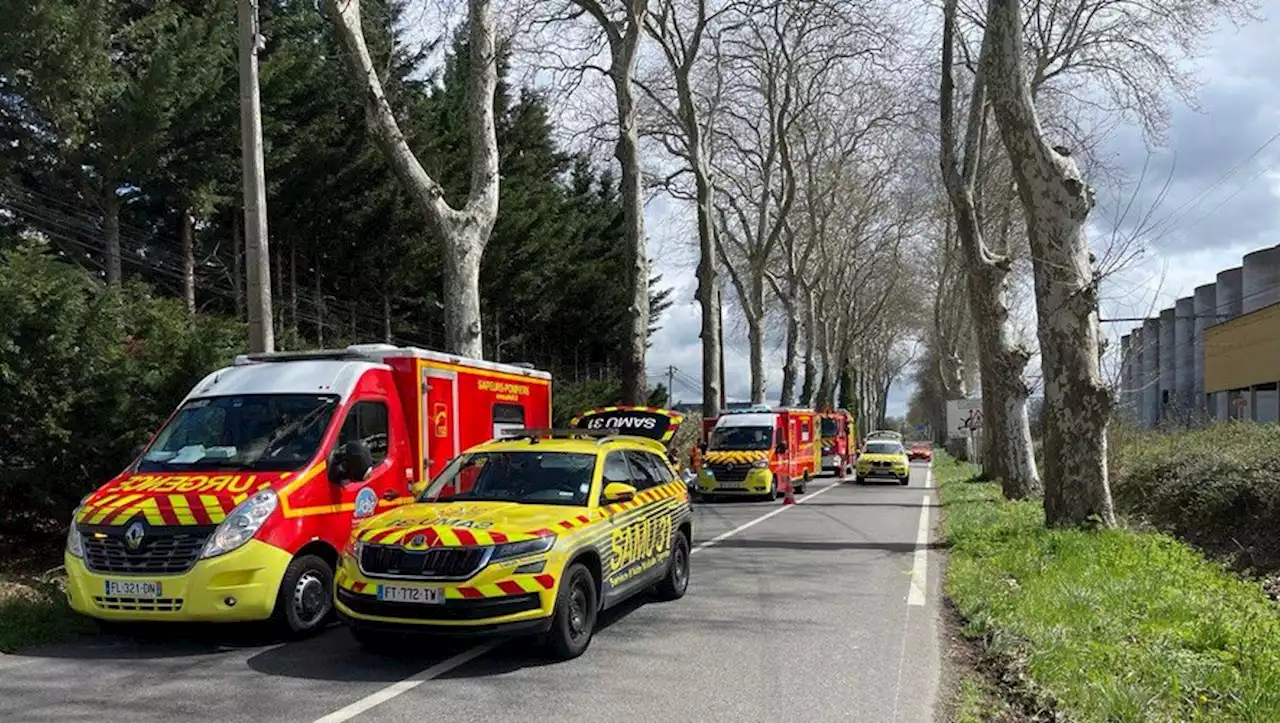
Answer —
(787, 397)
(186, 232)
(1056, 203)
(1007, 452)
(809, 388)
(111, 234)
(465, 231)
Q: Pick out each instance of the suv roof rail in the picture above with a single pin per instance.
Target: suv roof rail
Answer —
(534, 434)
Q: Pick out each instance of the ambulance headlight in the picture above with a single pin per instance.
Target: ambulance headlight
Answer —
(760, 464)
(523, 548)
(75, 545)
(242, 524)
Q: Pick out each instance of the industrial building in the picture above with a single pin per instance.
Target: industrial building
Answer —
(1214, 355)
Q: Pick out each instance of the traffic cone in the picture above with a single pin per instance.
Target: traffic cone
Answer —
(789, 499)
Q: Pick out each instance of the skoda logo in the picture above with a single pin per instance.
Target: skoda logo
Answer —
(418, 540)
(133, 535)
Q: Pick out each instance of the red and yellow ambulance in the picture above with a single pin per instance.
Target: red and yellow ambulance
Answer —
(761, 451)
(238, 507)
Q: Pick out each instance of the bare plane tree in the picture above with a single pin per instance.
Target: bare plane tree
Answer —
(1007, 453)
(464, 231)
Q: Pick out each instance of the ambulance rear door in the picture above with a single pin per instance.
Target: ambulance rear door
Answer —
(439, 419)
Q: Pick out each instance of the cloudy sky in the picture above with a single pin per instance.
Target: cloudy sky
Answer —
(1210, 195)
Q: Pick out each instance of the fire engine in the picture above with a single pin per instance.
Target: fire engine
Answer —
(761, 451)
(839, 441)
(237, 508)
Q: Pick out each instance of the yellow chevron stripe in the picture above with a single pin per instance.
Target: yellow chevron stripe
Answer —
(102, 511)
(212, 508)
(182, 510)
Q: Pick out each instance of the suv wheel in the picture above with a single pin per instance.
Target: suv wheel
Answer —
(574, 620)
(676, 582)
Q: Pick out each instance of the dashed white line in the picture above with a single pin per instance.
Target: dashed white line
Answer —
(752, 523)
(406, 685)
(920, 565)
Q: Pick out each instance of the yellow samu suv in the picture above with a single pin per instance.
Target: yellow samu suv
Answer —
(532, 534)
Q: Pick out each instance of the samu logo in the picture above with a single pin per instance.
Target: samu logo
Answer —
(366, 502)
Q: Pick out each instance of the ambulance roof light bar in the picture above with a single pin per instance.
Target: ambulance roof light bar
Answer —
(536, 435)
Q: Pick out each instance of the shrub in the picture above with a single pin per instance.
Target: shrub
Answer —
(1218, 487)
(86, 372)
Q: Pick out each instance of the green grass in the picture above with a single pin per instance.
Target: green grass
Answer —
(977, 701)
(1108, 626)
(34, 612)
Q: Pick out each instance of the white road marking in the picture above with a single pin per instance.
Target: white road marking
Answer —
(726, 535)
(406, 685)
(920, 566)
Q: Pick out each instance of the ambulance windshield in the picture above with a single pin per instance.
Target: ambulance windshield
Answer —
(542, 478)
(260, 432)
(829, 427)
(730, 438)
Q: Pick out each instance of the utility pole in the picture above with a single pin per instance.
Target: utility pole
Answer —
(671, 380)
(257, 253)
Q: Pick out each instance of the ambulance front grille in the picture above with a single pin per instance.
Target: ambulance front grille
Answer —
(140, 604)
(730, 473)
(163, 551)
(441, 563)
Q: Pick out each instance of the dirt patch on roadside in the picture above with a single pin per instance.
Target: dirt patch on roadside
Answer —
(977, 688)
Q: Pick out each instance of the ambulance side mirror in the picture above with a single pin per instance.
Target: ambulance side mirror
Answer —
(618, 492)
(353, 463)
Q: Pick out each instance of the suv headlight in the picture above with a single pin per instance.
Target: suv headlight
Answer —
(242, 524)
(523, 548)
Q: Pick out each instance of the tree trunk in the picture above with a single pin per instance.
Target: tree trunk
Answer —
(708, 297)
(186, 231)
(810, 363)
(293, 291)
(627, 151)
(237, 263)
(826, 378)
(111, 234)
(1056, 203)
(1006, 434)
(787, 397)
(319, 305)
(755, 334)
(848, 396)
(464, 232)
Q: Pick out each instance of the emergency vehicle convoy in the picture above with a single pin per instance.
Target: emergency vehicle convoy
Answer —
(761, 451)
(839, 441)
(239, 506)
(534, 534)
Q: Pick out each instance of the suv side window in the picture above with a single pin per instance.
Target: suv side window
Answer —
(616, 469)
(665, 475)
(645, 475)
(367, 422)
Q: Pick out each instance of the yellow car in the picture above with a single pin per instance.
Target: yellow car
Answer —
(883, 460)
(535, 534)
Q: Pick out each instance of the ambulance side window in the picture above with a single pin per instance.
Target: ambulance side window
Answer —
(804, 431)
(507, 417)
(367, 422)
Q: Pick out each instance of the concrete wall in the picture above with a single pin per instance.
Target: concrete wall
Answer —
(1168, 370)
(1230, 285)
(1135, 374)
(1183, 356)
(1204, 307)
(1150, 372)
(1260, 282)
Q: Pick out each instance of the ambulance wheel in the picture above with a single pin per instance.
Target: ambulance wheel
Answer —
(574, 620)
(305, 601)
(676, 581)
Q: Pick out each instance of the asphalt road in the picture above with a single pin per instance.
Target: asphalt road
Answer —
(823, 611)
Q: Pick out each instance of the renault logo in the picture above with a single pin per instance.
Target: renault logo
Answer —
(133, 535)
(418, 540)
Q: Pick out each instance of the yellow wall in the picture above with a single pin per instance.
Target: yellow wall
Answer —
(1244, 351)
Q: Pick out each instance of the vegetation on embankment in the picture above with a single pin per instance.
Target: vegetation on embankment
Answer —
(1217, 488)
(34, 611)
(1114, 625)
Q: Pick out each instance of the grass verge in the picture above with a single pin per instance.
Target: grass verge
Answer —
(1106, 626)
(34, 611)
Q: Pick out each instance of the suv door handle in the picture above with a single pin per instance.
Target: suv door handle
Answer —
(390, 495)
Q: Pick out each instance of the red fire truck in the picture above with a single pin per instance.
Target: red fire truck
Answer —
(237, 508)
